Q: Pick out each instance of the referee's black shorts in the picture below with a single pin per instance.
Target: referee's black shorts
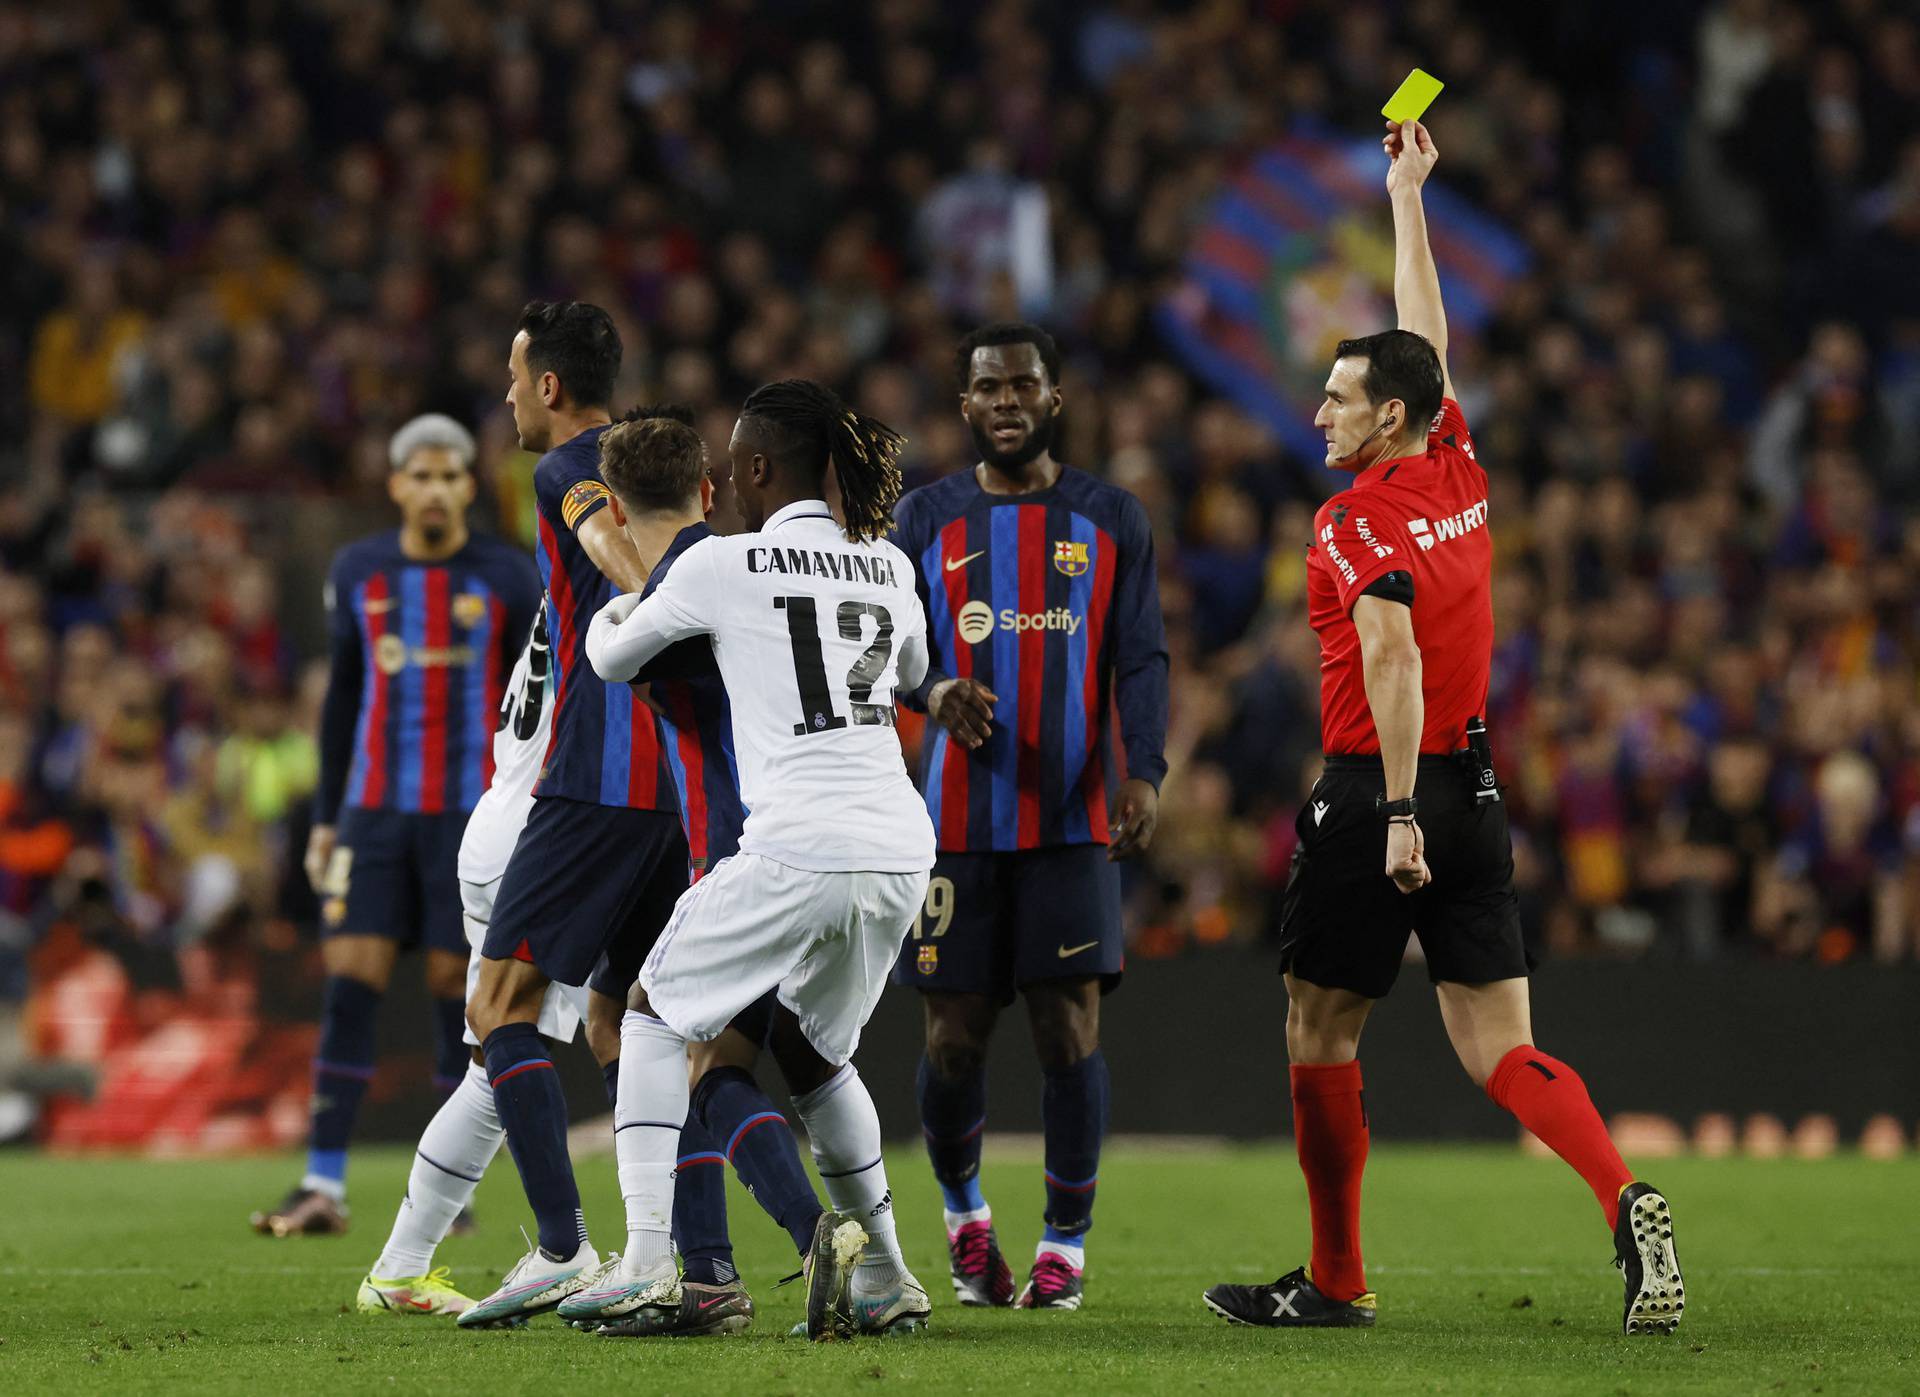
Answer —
(1343, 923)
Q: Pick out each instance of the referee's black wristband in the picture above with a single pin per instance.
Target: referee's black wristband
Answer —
(1396, 809)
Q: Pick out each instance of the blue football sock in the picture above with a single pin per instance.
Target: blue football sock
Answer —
(533, 1111)
(700, 1208)
(342, 1068)
(450, 1057)
(1073, 1110)
(758, 1142)
(953, 1116)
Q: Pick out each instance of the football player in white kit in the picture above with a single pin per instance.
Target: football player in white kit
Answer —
(813, 628)
(465, 1134)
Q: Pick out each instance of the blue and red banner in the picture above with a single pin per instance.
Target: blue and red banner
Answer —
(1294, 254)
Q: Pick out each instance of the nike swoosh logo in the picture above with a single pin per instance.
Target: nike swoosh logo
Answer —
(1067, 951)
(709, 1304)
(955, 564)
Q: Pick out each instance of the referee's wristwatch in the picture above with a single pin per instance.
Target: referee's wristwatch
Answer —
(1396, 809)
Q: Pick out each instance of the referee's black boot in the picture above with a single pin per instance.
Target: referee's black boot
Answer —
(1292, 1302)
(1643, 1250)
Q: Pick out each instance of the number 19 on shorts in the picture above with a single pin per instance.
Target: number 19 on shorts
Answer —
(938, 910)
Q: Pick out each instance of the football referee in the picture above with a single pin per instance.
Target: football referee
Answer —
(1406, 830)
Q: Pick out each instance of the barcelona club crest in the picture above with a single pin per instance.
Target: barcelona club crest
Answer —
(928, 959)
(469, 610)
(1070, 557)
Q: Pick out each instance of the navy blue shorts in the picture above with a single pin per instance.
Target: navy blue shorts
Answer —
(395, 874)
(587, 891)
(996, 923)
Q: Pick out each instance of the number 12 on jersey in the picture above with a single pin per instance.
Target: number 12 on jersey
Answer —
(810, 666)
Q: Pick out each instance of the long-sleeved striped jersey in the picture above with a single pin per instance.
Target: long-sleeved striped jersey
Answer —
(696, 732)
(1050, 600)
(605, 750)
(420, 656)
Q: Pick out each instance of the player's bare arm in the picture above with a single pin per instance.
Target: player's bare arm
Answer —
(1416, 281)
(612, 551)
(1390, 663)
(964, 707)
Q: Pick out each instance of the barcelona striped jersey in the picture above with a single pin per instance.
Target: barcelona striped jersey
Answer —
(1050, 600)
(604, 748)
(420, 656)
(696, 733)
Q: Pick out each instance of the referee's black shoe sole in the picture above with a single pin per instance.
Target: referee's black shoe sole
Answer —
(1643, 1250)
(1292, 1302)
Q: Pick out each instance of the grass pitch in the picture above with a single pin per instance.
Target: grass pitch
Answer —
(1491, 1269)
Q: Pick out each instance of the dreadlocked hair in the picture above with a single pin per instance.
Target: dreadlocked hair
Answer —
(814, 427)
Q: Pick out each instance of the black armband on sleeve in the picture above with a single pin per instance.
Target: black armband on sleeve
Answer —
(1392, 586)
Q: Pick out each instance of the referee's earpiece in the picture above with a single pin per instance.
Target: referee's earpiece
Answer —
(1368, 440)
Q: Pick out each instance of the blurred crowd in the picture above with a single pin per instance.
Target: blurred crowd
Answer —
(240, 244)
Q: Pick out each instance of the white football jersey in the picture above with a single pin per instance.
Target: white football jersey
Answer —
(812, 635)
(519, 745)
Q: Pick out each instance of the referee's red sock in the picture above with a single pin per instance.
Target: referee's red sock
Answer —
(1551, 1101)
(1330, 1132)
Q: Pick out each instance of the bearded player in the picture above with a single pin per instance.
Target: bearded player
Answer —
(596, 871)
(1044, 613)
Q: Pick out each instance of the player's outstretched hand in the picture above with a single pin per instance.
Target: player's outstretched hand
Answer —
(964, 707)
(319, 854)
(1135, 816)
(1407, 856)
(1411, 155)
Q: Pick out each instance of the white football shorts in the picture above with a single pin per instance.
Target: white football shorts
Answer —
(564, 1007)
(826, 941)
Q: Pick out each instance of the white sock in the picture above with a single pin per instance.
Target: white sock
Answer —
(455, 1149)
(956, 1221)
(336, 1189)
(651, 1108)
(1074, 1255)
(844, 1130)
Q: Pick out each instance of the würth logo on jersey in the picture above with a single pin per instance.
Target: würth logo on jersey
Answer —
(1454, 525)
(1336, 557)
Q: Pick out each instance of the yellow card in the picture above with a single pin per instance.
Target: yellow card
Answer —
(1416, 94)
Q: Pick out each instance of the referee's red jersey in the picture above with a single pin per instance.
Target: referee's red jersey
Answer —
(1425, 515)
